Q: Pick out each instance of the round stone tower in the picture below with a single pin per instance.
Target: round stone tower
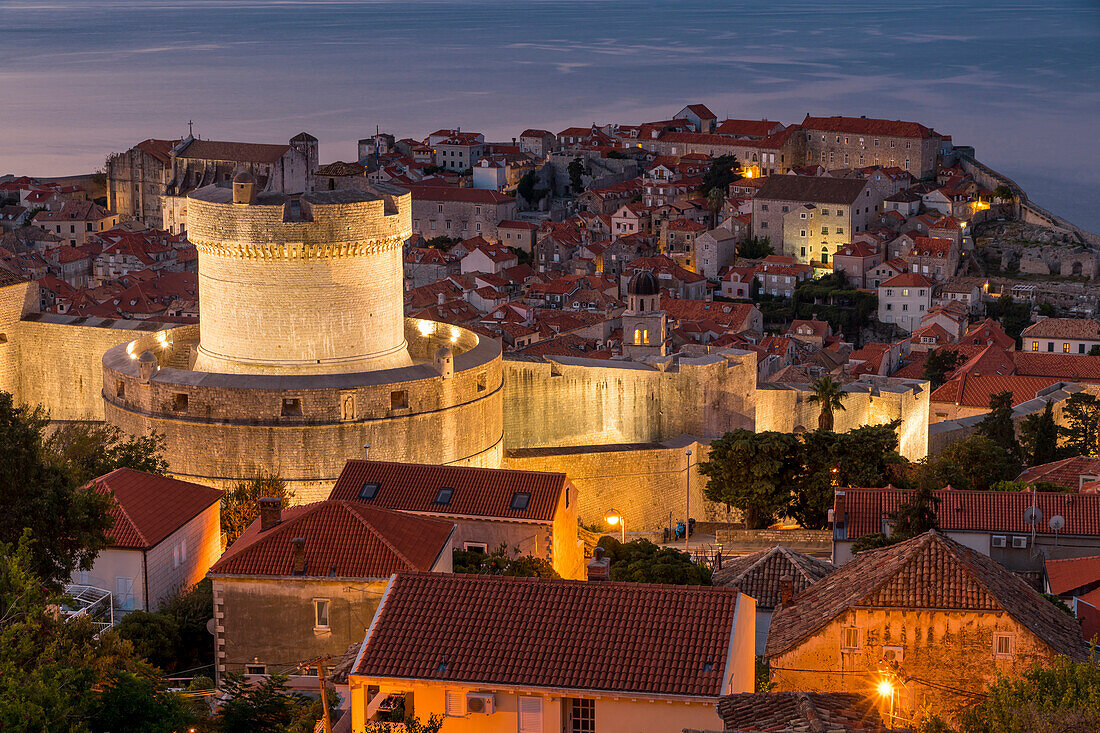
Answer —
(309, 285)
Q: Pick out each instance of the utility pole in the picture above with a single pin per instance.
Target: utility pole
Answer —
(687, 504)
(320, 662)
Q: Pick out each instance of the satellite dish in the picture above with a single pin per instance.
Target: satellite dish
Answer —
(1057, 522)
(1033, 515)
(210, 626)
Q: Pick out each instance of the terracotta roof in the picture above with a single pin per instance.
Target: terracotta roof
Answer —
(702, 111)
(988, 331)
(479, 492)
(800, 712)
(74, 211)
(1065, 328)
(973, 511)
(236, 152)
(536, 133)
(747, 128)
(931, 247)
(340, 168)
(435, 192)
(972, 390)
(1070, 367)
(907, 280)
(864, 126)
(811, 189)
(343, 539)
(929, 571)
(148, 508)
(529, 632)
(759, 575)
(159, 149)
(1072, 573)
(516, 224)
(727, 315)
(1066, 472)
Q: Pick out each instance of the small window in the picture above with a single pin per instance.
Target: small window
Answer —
(520, 500)
(1065, 348)
(399, 399)
(255, 669)
(369, 490)
(1004, 645)
(475, 547)
(454, 705)
(582, 715)
(120, 389)
(179, 402)
(320, 613)
(482, 382)
(292, 406)
(1034, 345)
(444, 495)
(849, 639)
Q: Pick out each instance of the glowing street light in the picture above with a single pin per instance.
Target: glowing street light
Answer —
(615, 519)
(885, 688)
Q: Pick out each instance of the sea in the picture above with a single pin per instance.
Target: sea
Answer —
(1019, 81)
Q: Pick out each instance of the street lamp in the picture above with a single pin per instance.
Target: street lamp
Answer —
(687, 503)
(616, 520)
(886, 690)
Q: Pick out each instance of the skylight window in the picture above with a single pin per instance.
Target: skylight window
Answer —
(520, 500)
(444, 495)
(369, 490)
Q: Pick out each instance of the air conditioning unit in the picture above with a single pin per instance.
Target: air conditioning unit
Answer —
(1019, 543)
(999, 540)
(893, 654)
(480, 703)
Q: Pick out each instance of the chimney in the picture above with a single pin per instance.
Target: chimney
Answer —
(599, 568)
(366, 451)
(271, 512)
(439, 298)
(786, 590)
(838, 507)
(298, 556)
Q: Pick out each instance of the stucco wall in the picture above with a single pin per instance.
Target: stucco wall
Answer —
(953, 648)
(204, 546)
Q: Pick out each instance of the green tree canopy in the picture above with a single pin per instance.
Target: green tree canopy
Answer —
(721, 173)
(501, 562)
(38, 492)
(997, 425)
(576, 172)
(915, 516)
(1003, 192)
(753, 472)
(155, 637)
(939, 364)
(1014, 316)
(241, 504)
(641, 561)
(755, 248)
(1081, 435)
(90, 451)
(973, 463)
(1039, 437)
(265, 706)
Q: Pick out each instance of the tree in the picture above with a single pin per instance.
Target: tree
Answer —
(1058, 695)
(939, 364)
(1095, 350)
(641, 561)
(1003, 192)
(828, 395)
(755, 248)
(974, 463)
(38, 492)
(191, 609)
(997, 425)
(262, 707)
(716, 199)
(1014, 317)
(434, 724)
(500, 562)
(576, 172)
(69, 675)
(155, 637)
(1039, 437)
(721, 173)
(753, 472)
(914, 516)
(241, 504)
(1081, 413)
(93, 450)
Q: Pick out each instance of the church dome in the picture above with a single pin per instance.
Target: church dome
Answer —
(644, 282)
(147, 356)
(244, 177)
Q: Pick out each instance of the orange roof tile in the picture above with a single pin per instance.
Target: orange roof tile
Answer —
(148, 508)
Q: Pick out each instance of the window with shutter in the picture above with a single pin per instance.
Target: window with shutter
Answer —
(530, 715)
(454, 704)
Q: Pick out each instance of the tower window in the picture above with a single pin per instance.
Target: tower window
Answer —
(120, 389)
(645, 336)
(482, 382)
(292, 406)
(179, 402)
(399, 399)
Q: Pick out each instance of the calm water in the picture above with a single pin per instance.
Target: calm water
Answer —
(81, 78)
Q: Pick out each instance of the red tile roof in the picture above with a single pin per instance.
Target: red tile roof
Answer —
(1067, 472)
(148, 508)
(760, 574)
(701, 110)
(235, 152)
(788, 712)
(907, 280)
(930, 247)
(1066, 328)
(746, 128)
(1069, 574)
(516, 224)
(435, 192)
(343, 539)
(973, 511)
(971, 390)
(159, 149)
(478, 492)
(864, 126)
(1070, 367)
(728, 315)
(930, 571)
(529, 632)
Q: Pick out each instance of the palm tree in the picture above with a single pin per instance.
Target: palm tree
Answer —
(716, 199)
(828, 394)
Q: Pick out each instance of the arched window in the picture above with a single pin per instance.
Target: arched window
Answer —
(637, 335)
(645, 336)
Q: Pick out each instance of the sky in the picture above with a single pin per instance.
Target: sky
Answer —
(79, 79)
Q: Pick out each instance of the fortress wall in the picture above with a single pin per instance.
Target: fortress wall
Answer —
(569, 402)
(786, 409)
(15, 301)
(644, 482)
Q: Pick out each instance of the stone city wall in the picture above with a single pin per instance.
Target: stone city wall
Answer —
(565, 401)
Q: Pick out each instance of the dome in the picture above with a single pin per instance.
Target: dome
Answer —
(444, 352)
(244, 177)
(147, 356)
(644, 282)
